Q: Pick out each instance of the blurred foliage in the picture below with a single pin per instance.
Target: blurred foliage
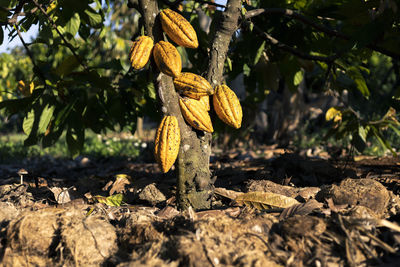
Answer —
(82, 77)
(96, 146)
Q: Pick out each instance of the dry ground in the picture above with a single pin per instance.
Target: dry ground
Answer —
(347, 215)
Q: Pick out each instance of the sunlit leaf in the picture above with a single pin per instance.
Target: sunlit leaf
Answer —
(113, 201)
(265, 200)
(260, 51)
(229, 62)
(27, 124)
(73, 24)
(93, 18)
(298, 77)
(333, 114)
(45, 117)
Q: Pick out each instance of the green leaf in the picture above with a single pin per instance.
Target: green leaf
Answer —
(229, 62)
(355, 74)
(246, 70)
(72, 25)
(382, 141)
(362, 133)
(45, 118)
(298, 77)
(260, 50)
(299, 4)
(394, 128)
(8, 3)
(67, 66)
(93, 18)
(113, 201)
(27, 124)
(151, 90)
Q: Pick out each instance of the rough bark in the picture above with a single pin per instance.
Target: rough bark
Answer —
(220, 43)
(194, 183)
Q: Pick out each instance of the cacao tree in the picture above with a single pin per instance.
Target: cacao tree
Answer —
(83, 78)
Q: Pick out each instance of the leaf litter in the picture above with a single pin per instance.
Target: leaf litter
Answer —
(313, 218)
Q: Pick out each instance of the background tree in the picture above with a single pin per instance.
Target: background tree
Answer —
(278, 52)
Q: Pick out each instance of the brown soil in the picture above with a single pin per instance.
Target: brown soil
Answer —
(348, 214)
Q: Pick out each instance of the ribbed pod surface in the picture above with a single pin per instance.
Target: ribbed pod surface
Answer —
(167, 58)
(178, 29)
(206, 101)
(227, 106)
(193, 85)
(196, 114)
(167, 141)
(140, 52)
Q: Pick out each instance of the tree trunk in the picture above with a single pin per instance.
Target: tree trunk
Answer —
(194, 183)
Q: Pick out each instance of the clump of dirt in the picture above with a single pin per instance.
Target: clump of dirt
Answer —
(43, 237)
(31, 239)
(8, 211)
(300, 226)
(364, 192)
(86, 240)
(151, 194)
(17, 194)
(225, 240)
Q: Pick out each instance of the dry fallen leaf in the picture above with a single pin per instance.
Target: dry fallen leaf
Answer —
(300, 209)
(118, 186)
(230, 194)
(62, 195)
(265, 200)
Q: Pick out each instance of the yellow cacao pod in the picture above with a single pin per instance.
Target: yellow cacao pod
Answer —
(167, 59)
(166, 144)
(227, 106)
(178, 29)
(140, 52)
(196, 114)
(193, 85)
(206, 101)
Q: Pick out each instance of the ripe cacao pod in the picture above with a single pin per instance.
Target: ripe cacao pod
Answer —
(167, 58)
(140, 52)
(206, 101)
(178, 29)
(196, 114)
(166, 144)
(193, 85)
(227, 106)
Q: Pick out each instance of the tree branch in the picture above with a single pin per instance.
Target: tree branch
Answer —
(70, 47)
(17, 13)
(210, 3)
(220, 43)
(175, 3)
(41, 76)
(290, 49)
(319, 27)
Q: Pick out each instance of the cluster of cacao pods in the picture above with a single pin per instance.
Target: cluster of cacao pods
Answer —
(196, 90)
